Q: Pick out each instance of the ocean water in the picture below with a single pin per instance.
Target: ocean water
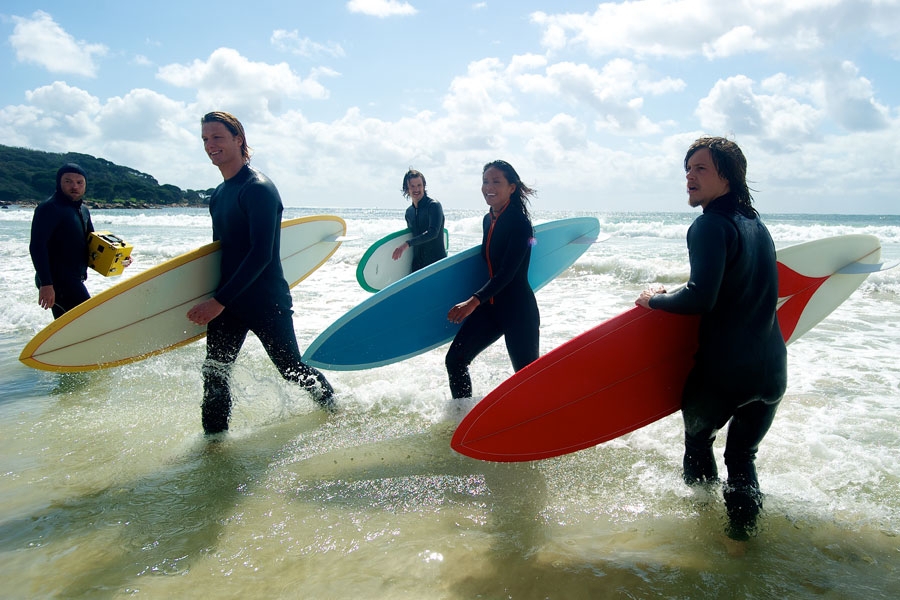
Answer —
(108, 489)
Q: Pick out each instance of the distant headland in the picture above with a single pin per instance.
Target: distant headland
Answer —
(27, 177)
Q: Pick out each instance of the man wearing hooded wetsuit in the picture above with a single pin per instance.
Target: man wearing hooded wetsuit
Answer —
(59, 243)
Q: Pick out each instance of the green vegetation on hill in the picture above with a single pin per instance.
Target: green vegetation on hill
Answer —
(29, 176)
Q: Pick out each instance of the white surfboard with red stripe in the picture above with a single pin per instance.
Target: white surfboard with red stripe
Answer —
(816, 277)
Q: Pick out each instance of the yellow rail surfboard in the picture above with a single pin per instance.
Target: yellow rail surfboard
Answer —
(145, 315)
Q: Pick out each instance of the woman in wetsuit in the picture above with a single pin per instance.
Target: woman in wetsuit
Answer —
(740, 373)
(505, 305)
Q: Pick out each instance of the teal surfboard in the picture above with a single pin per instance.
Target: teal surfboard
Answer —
(409, 317)
(377, 268)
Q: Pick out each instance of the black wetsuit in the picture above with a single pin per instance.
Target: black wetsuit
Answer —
(508, 307)
(740, 372)
(246, 218)
(59, 249)
(426, 222)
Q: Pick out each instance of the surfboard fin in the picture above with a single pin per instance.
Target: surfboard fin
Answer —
(590, 239)
(858, 268)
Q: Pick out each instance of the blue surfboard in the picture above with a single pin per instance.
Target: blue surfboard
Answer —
(409, 317)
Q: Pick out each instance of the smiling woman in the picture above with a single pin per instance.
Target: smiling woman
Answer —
(505, 305)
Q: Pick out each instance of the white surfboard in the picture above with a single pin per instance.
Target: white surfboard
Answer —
(377, 268)
(145, 315)
(816, 277)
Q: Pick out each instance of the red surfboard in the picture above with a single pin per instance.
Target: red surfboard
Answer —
(629, 371)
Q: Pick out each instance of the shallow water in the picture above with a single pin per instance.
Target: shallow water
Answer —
(109, 490)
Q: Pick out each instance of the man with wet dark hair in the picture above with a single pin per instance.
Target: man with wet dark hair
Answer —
(740, 373)
(425, 219)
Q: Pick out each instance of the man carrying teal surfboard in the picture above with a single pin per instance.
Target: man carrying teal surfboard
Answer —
(425, 219)
(740, 369)
(253, 294)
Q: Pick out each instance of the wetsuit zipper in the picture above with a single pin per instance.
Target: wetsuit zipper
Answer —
(487, 245)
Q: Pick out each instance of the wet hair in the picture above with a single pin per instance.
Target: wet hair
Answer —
(730, 164)
(412, 174)
(520, 195)
(233, 125)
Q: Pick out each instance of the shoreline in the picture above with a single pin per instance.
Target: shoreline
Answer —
(94, 205)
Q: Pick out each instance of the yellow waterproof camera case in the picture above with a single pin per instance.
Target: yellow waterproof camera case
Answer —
(107, 253)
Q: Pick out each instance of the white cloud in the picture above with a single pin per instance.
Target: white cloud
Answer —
(143, 129)
(229, 81)
(136, 115)
(142, 61)
(850, 99)
(793, 110)
(613, 93)
(290, 41)
(526, 62)
(682, 28)
(25, 126)
(587, 133)
(381, 8)
(56, 115)
(40, 40)
(644, 28)
(739, 40)
(732, 106)
(60, 98)
(480, 95)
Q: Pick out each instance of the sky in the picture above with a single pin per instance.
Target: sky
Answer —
(594, 104)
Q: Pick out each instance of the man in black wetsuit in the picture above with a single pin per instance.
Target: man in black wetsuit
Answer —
(253, 294)
(740, 373)
(425, 219)
(59, 243)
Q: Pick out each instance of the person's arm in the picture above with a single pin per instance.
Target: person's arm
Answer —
(88, 223)
(435, 227)
(708, 252)
(42, 225)
(261, 206)
(46, 296)
(509, 249)
(206, 311)
(462, 310)
(399, 250)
